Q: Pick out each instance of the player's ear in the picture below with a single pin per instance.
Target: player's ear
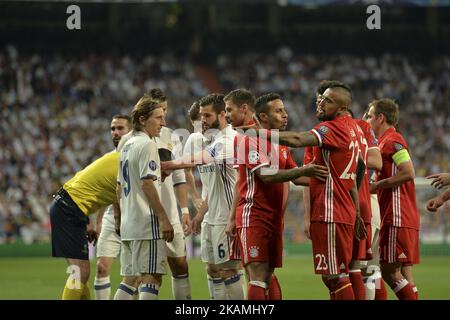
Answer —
(142, 120)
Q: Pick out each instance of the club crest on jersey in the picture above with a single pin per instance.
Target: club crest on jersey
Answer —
(152, 165)
(284, 152)
(323, 129)
(254, 251)
(169, 146)
(398, 146)
(253, 156)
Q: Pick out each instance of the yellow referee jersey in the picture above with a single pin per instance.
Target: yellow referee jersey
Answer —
(95, 186)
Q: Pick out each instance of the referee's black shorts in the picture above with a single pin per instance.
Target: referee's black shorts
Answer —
(69, 232)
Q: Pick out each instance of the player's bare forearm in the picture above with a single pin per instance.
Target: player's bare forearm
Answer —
(188, 161)
(374, 160)
(302, 181)
(190, 181)
(360, 171)
(445, 196)
(405, 173)
(294, 139)
(355, 198)
(100, 214)
(181, 194)
(116, 207)
(235, 201)
(284, 175)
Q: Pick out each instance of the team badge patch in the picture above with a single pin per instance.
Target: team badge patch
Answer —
(284, 154)
(323, 129)
(253, 156)
(152, 165)
(398, 146)
(254, 251)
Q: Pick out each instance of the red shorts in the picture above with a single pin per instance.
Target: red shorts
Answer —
(235, 252)
(332, 247)
(260, 245)
(399, 245)
(362, 249)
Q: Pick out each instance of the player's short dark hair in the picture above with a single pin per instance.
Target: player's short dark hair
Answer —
(157, 94)
(388, 108)
(240, 97)
(194, 111)
(123, 116)
(261, 103)
(143, 108)
(214, 99)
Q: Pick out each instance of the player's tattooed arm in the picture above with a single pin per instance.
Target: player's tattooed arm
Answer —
(294, 139)
(283, 175)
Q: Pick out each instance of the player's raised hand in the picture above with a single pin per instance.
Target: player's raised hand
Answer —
(434, 204)
(440, 180)
(167, 230)
(360, 228)
(314, 170)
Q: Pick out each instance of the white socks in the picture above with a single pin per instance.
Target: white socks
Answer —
(148, 291)
(181, 289)
(124, 292)
(234, 287)
(102, 288)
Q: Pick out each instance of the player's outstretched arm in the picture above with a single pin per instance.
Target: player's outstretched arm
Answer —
(436, 202)
(440, 180)
(293, 139)
(188, 161)
(151, 193)
(284, 175)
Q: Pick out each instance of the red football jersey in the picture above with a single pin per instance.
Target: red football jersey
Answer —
(237, 141)
(397, 205)
(338, 150)
(368, 141)
(261, 204)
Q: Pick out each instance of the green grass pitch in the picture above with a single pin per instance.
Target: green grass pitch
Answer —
(44, 278)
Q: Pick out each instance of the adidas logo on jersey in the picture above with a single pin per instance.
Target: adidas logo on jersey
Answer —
(402, 256)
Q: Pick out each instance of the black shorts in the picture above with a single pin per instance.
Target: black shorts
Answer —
(69, 232)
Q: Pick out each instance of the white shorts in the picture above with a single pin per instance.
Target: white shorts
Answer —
(108, 244)
(139, 257)
(177, 248)
(215, 244)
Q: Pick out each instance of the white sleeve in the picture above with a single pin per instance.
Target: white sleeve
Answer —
(222, 148)
(148, 161)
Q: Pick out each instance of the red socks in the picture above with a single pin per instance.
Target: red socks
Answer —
(404, 290)
(257, 290)
(380, 290)
(359, 290)
(274, 289)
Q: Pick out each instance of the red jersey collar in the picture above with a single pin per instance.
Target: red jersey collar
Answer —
(390, 130)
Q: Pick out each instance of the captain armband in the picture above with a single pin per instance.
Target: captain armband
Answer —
(401, 156)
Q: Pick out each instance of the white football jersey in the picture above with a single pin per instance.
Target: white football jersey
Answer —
(194, 144)
(221, 176)
(171, 141)
(139, 159)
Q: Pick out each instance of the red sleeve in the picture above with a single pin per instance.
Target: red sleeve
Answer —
(372, 141)
(326, 133)
(290, 162)
(395, 144)
(251, 154)
(309, 155)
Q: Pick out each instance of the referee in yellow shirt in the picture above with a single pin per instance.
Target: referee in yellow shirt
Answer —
(89, 190)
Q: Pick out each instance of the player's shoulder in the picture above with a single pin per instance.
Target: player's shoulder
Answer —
(396, 137)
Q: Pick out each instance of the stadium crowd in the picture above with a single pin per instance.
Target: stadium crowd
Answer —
(56, 109)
